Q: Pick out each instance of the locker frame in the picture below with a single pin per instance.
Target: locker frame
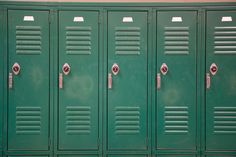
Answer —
(54, 7)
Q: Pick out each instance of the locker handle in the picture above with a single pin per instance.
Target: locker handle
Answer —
(60, 80)
(158, 81)
(208, 81)
(109, 81)
(10, 81)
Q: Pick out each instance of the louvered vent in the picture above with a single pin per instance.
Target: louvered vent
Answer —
(28, 120)
(78, 120)
(225, 40)
(225, 120)
(127, 40)
(78, 40)
(28, 40)
(176, 119)
(127, 120)
(176, 40)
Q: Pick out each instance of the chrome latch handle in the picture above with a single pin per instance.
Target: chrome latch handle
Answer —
(158, 81)
(109, 81)
(208, 81)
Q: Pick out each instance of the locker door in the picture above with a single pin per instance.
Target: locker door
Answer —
(127, 155)
(78, 84)
(78, 156)
(28, 96)
(1, 77)
(127, 80)
(176, 80)
(221, 80)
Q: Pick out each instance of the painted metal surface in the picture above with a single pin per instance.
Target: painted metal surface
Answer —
(130, 30)
(77, 155)
(176, 65)
(127, 99)
(29, 156)
(220, 97)
(127, 155)
(176, 155)
(78, 99)
(28, 99)
(1, 80)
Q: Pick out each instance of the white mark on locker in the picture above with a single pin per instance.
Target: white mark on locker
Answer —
(78, 19)
(176, 19)
(226, 19)
(127, 19)
(28, 18)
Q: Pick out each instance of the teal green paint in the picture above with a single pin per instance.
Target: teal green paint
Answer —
(55, 68)
(53, 19)
(77, 156)
(176, 98)
(127, 156)
(28, 103)
(220, 98)
(78, 99)
(30, 156)
(176, 156)
(127, 99)
(1, 80)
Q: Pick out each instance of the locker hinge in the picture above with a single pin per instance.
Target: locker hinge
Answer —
(49, 143)
(149, 19)
(100, 18)
(49, 18)
(98, 143)
(147, 142)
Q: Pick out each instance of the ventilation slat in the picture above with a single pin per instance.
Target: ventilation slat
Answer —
(127, 40)
(28, 40)
(176, 119)
(225, 120)
(78, 120)
(28, 120)
(78, 40)
(176, 40)
(127, 120)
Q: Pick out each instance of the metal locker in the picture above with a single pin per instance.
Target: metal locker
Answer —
(176, 80)
(136, 155)
(28, 80)
(78, 80)
(176, 155)
(220, 80)
(77, 155)
(127, 80)
(1, 78)
(220, 155)
(28, 156)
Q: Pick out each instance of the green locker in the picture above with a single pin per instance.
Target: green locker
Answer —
(220, 155)
(176, 80)
(127, 80)
(78, 80)
(77, 155)
(28, 156)
(1, 78)
(176, 155)
(220, 80)
(28, 80)
(127, 155)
